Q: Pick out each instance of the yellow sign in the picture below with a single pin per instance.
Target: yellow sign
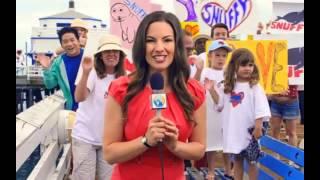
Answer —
(271, 56)
(192, 27)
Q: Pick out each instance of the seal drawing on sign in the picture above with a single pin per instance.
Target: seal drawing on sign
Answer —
(122, 14)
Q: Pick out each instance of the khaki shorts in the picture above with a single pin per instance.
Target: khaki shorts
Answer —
(88, 162)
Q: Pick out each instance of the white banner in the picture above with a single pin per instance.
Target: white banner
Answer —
(241, 16)
(287, 18)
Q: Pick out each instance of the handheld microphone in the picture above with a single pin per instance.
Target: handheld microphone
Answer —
(158, 97)
(158, 102)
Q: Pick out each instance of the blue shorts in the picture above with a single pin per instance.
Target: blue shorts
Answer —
(285, 111)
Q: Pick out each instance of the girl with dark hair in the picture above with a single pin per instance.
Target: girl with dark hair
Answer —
(245, 106)
(132, 128)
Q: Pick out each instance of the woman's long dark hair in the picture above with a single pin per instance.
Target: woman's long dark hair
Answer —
(239, 57)
(101, 69)
(179, 71)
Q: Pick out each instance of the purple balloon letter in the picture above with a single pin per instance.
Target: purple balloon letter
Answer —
(192, 16)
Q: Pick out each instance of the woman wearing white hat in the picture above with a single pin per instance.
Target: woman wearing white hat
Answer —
(82, 28)
(90, 92)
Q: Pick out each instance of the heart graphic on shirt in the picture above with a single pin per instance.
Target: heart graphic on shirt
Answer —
(236, 98)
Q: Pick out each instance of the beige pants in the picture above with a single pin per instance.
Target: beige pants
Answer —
(88, 162)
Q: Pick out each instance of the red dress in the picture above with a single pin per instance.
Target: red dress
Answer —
(147, 166)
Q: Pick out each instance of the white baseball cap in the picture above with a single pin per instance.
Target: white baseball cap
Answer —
(217, 44)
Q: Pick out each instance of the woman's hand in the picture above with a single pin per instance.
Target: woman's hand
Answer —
(87, 64)
(172, 134)
(156, 130)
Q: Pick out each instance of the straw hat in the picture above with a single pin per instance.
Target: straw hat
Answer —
(201, 36)
(110, 42)
(79, 23)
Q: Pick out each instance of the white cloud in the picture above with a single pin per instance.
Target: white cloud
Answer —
(24, 25)
(98, 8)
(166, 5)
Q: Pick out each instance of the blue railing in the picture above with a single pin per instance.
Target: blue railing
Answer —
(279, 167)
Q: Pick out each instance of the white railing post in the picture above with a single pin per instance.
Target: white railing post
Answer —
(39, 125)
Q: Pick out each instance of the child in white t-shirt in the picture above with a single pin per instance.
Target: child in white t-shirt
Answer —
(88, 162)
(245, 106)
(212, 78)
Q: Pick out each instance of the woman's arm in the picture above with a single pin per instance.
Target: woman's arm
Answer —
(82, 91)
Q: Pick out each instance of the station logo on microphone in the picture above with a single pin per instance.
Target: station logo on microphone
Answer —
(159, 101)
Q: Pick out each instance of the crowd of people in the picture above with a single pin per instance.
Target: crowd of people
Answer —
(211, 106)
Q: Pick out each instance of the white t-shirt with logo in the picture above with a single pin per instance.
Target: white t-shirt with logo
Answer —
(214, 121)
(90, 113)
(240, 110)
